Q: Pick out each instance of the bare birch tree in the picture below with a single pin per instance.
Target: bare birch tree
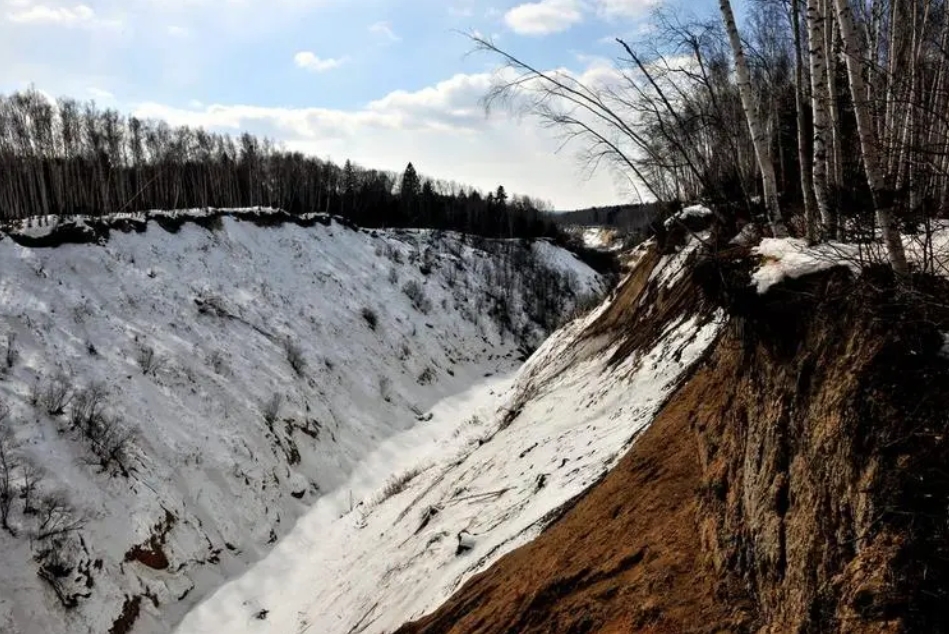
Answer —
(804, 159)
(819, 108)
(869, 145)
(759, 135)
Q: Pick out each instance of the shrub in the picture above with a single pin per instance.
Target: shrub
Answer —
(393, 254)
(55, 517)
(270, 409)
(385, 388)
(398, 483)
(393, 276)
(216, 361)
(294, 356)
(111, 441)
(56, 547)
(372, 319)
(55, 395)
(8, 463)
(12, 354)
(148, 360)
(426, 377)
(31, 475)
(413, 290)
(88, 407)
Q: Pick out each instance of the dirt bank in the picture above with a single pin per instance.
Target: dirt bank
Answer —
(796, 483)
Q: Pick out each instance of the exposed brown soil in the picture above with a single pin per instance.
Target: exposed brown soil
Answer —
(626, 558)
(126, 620)
(151, 553)
(796, 483)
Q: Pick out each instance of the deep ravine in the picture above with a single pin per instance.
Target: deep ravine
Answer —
(253, 364)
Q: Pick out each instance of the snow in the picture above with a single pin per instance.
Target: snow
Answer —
(673, 268)
(602, 238)
(792, 258)
(596, 238)
(692, 211)
(586, 279)
(507, 460)
(216, 306)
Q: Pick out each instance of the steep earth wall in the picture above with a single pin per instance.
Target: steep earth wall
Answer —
(795, 482)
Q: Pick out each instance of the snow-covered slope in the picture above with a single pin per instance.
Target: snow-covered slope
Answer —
(247, 372)
(504, 467)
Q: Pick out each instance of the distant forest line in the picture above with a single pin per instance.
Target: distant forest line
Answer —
(68, 157)
(630, 219)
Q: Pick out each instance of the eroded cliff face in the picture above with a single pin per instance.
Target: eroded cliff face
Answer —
(795, 482)
(820, 423)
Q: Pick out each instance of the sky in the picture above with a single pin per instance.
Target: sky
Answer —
(380, 82)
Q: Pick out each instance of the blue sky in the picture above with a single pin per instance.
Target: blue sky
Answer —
(379, 81)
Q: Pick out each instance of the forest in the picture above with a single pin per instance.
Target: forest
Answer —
(822, 119)
(629, 218)
(68, 157)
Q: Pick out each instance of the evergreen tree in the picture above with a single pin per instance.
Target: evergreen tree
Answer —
(409, 192)
(427, 203)
(410, 185)
(500, 197)
(349, 188)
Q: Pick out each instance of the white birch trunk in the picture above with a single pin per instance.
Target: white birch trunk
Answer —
(759, 135)
(835, 161)
(868, 142)
(818, 60)
(807, 175)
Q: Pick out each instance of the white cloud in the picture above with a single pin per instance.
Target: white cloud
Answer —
(451, 105)
(461, 10)
(307, 60)
(441, 128)
(178, 31)
(100, 94)
(25, 13)
(383, 28)
(624, 8)
(544, 17)
(302, 123)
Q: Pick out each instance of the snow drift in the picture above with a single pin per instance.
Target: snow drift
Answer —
(185, 392)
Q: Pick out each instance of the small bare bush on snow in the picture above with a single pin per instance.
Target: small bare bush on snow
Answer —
(56, 544)
(270, 409)
(112, 443)
(12, 354)
(370, 316)
(413, 290)
(88, 406)
(55, 517)
(8, 463)
(53, 395)
(294, 356)
(397, 484)
(148, 360)
(217, 362)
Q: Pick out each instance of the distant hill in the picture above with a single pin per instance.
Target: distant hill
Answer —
(628, 218)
